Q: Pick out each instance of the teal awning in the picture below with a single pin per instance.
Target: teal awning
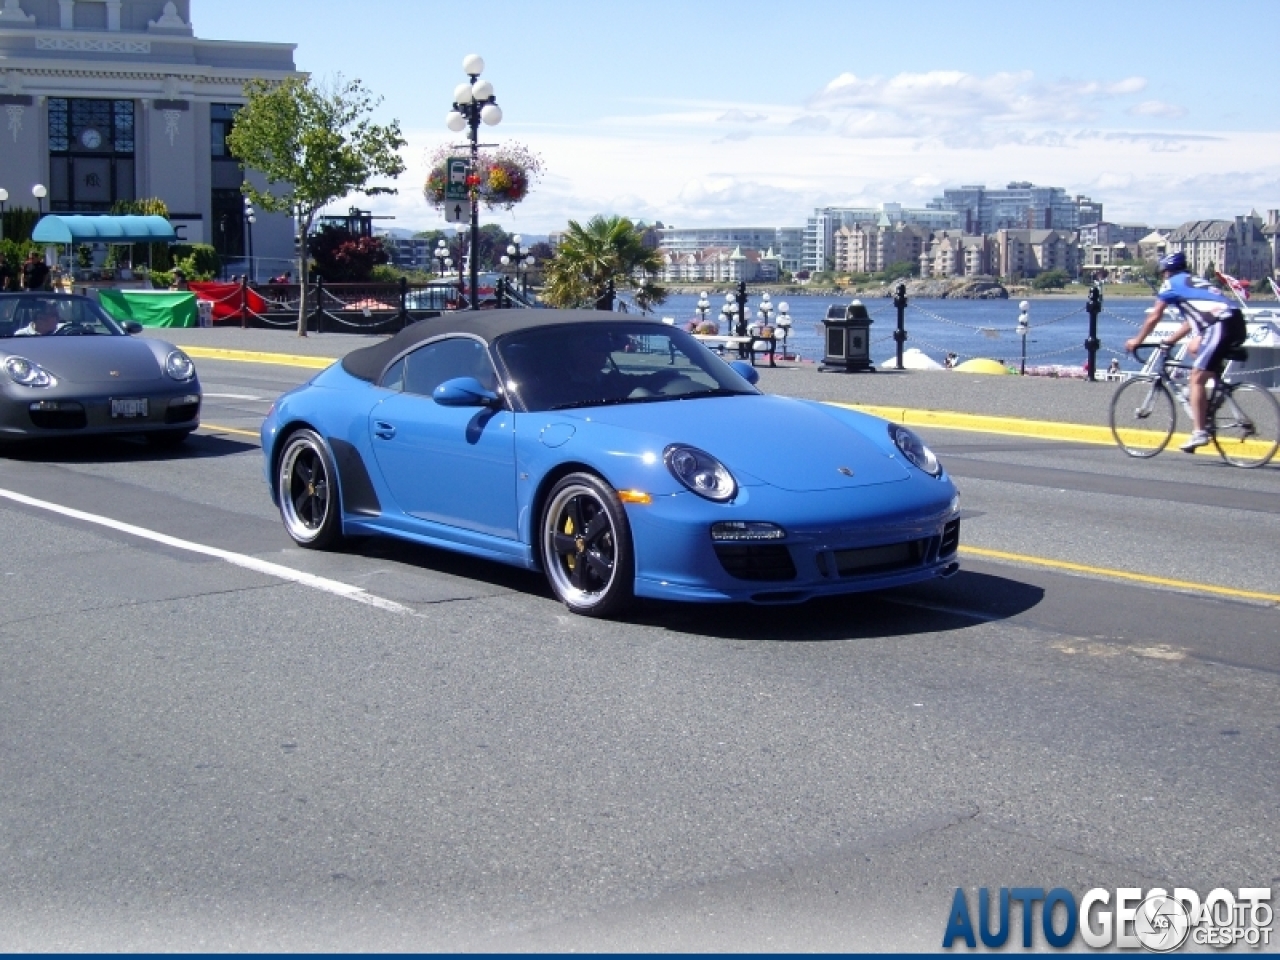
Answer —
(71, 229)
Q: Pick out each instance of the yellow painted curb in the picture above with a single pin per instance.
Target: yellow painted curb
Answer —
(1120, 574)
(217, 428)
(248, 356)
(1037, 429)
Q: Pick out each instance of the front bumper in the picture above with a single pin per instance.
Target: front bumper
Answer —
(30, 414)
(837, 542)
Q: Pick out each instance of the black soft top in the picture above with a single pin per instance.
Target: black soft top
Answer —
(368, 363)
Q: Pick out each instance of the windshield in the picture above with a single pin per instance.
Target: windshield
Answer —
(607, 362)
(34, 316)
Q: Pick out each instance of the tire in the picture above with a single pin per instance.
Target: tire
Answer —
(167, 439)
(307, 492)
(1246, 425)
(585, 546)
(1143, 416)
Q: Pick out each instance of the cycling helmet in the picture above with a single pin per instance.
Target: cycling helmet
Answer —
(1174, 263)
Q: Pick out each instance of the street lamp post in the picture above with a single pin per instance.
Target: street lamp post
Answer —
(39, 191)
(1024, 324)
(784, 324)
(521, 264)
(442, 256)
(4, 198)
(744, 349)
(474, 103)
(703, 308)
(250, 218)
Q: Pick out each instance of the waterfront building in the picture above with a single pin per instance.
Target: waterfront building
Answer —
(953, 253)
(410, 253)
(1019, 254)
(819, 233)
(1154, 246)
(787, 241)
(866, 248)
(110, 100)
(1087, 211)
(1106, 233)
(717, 265)
(1272, 234)
(1020, 205)
(1238, 247)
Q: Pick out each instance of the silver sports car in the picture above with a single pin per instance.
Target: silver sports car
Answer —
(69, 369)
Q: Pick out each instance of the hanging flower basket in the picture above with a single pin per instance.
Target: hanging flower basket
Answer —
(502, 178)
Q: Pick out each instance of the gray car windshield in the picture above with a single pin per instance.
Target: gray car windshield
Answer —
(33, 316)
(605, 362)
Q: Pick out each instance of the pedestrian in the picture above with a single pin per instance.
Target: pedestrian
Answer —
(35, 274)
(1113, 367)
(179, 281)
(6, 276)
(950, 361)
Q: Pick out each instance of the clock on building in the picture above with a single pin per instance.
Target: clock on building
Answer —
(91, 139)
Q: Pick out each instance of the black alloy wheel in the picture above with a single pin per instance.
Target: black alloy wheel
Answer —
(585, 546)
(307, 492)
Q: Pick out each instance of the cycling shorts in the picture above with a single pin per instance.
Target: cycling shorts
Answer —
(1219, 339)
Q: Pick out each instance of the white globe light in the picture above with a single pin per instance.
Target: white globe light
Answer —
(462, 93)
(482, 90)
(491, 115)
(783, 308)
(1024, 306)
(702, 295)
(529, 261)
(39, 191)
(505, 260)
(764, 297)
(473, 65)
(517, 239)
(4, 195)
(511, 249)
(455, 121)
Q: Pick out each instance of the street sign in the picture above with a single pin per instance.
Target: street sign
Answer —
(455, 184)
(457, 211)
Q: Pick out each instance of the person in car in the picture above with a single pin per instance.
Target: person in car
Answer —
(46, 322)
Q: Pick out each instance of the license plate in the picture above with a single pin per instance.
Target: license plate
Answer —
(129, 407)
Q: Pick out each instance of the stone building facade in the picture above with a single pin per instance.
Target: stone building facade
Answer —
(109, 100)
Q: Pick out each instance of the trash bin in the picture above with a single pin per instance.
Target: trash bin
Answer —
(847, 330)
(205, 308)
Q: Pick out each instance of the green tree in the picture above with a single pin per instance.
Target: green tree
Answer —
(607, 254)
(1050, 280)
(314, 146)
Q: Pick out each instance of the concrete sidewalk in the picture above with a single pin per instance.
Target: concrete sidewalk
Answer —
(1035, 399)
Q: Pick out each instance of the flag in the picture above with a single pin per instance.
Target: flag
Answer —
(1239, 287)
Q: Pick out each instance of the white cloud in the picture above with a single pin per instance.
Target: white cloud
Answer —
(1157, 108)
(740, 116)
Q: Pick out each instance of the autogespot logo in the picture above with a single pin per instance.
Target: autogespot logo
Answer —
(1127, 918)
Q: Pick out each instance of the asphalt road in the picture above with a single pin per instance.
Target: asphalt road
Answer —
(200, 755)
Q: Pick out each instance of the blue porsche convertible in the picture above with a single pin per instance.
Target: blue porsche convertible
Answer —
(618, 455)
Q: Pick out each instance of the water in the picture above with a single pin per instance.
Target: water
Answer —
(969, 328)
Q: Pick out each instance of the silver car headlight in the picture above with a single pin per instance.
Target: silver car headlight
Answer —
(28, 374)
(914, 449)
(700, 472)
(179, 366)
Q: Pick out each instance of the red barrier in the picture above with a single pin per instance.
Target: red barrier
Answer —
(225, 298)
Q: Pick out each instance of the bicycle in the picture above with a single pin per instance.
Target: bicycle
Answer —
(1243, 421)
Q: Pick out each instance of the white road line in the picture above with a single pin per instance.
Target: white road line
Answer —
(335, 587)
(234, 396)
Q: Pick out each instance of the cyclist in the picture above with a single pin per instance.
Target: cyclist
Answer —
(1218, 327)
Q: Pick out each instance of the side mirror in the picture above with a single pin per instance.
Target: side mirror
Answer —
(746, 371)
(464, 392)
(132, 326)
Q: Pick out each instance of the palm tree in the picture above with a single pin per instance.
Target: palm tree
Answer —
(594, 261)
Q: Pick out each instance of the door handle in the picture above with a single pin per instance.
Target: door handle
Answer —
(383, 430)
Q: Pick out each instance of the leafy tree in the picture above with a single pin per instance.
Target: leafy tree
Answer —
(156, 256)
(592, 262)
(900, 271)
(342, 257)
(18, 223)
(1050, 280)
(314, 146)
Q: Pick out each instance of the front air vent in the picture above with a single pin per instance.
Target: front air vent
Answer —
(754, 561)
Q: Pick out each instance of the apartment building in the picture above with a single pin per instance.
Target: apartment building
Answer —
(820, 229)
(1018, 254)
(873, 248)
(1020, 205)
(715, 265)
(953, 253)
(786, 241)
(1239, 247)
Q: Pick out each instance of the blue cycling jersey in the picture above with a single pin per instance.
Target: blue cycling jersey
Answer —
(1196, 299)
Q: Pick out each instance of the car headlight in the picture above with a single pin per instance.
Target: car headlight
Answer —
(28, 374)
(179, 366)
(700, 472)
(914, 449)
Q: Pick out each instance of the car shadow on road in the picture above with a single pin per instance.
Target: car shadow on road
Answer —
(123, 449)
(934, 607)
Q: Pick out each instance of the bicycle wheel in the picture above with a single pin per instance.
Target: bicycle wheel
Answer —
(1246, 425)
(1142, 417)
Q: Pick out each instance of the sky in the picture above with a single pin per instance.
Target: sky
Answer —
(753, 113)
